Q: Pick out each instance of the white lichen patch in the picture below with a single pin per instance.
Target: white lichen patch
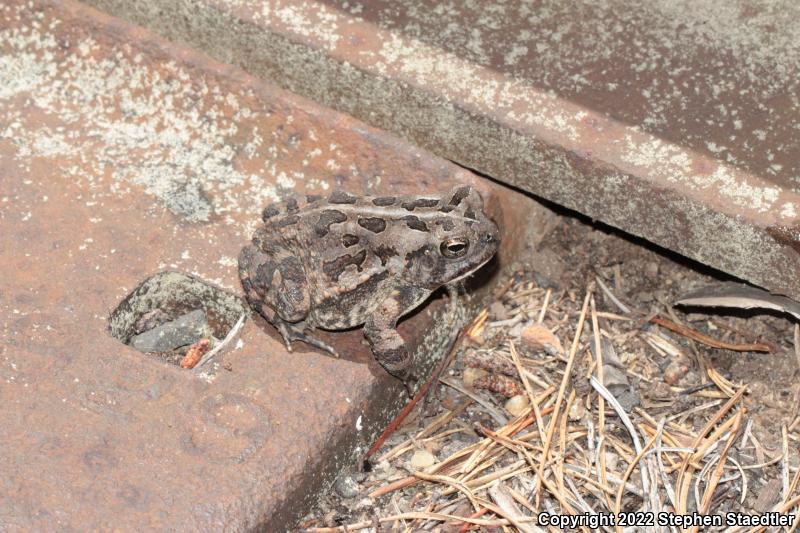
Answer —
(313, 21)
(738, 190)
(789, 211)
(663, 160)
(673, 163)
(116, 123)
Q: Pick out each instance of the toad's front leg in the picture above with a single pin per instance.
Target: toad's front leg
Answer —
(381, 332)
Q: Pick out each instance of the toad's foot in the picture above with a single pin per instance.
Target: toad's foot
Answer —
(294, 332)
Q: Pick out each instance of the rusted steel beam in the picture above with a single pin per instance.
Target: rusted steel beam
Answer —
(673, 121)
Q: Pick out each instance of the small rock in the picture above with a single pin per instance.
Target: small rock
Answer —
(451, 399)
(365, 503)
(651, 270)
(516, 405)
(674, 372)
(576, 411)
(612, 461)
(659, 390)
(538, 337)
(628, 399)
(498, 311)
(768, 496)
(470, 375)
(346, 487)
(186, 329)
(614, 377)
(422, 459)
(610, 356)
(644, 296)
(383, 466)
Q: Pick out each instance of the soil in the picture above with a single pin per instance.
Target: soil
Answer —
(654, 372)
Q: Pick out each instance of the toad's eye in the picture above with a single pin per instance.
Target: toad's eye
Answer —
(453, 248)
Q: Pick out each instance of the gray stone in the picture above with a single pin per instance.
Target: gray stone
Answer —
(346, 487)
(186, 329)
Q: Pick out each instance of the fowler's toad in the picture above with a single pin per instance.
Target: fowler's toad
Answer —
(342, 261)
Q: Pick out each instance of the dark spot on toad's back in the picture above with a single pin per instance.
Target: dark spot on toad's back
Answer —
(270, 211)
(311, 198)
(373, 224)
(415, 223)
(341, 197)
(326, 218)
(460, 194)
(446, 224)
(291, 205)
(349, 240)
(383, 201)
(446, 208)
(288, 221)
(385, 252)
(292, 268)
(333, 269)
(264, 274)
(420, 202)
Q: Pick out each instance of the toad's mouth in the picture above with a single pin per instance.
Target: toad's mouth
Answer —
(471, 271)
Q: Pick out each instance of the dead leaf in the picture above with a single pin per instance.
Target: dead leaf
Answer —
(741, 297)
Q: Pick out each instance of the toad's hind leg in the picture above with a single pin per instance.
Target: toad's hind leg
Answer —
(275, 284)
(276, 287)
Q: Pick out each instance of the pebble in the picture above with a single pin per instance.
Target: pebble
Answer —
(422, 459)
(538, 337)
(577, 411)
(614, 377)
(452, 399)
(498, 311)
(628, 399)
(516, 405)
(674, 372)
(186, 329)
(612, 461)
(471, 375)
(346, 487)
(651, 270)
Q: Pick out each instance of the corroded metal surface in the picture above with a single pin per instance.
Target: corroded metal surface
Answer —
(121, 156)
(675, 121)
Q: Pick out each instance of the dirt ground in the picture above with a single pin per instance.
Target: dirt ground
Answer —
(468, 457)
